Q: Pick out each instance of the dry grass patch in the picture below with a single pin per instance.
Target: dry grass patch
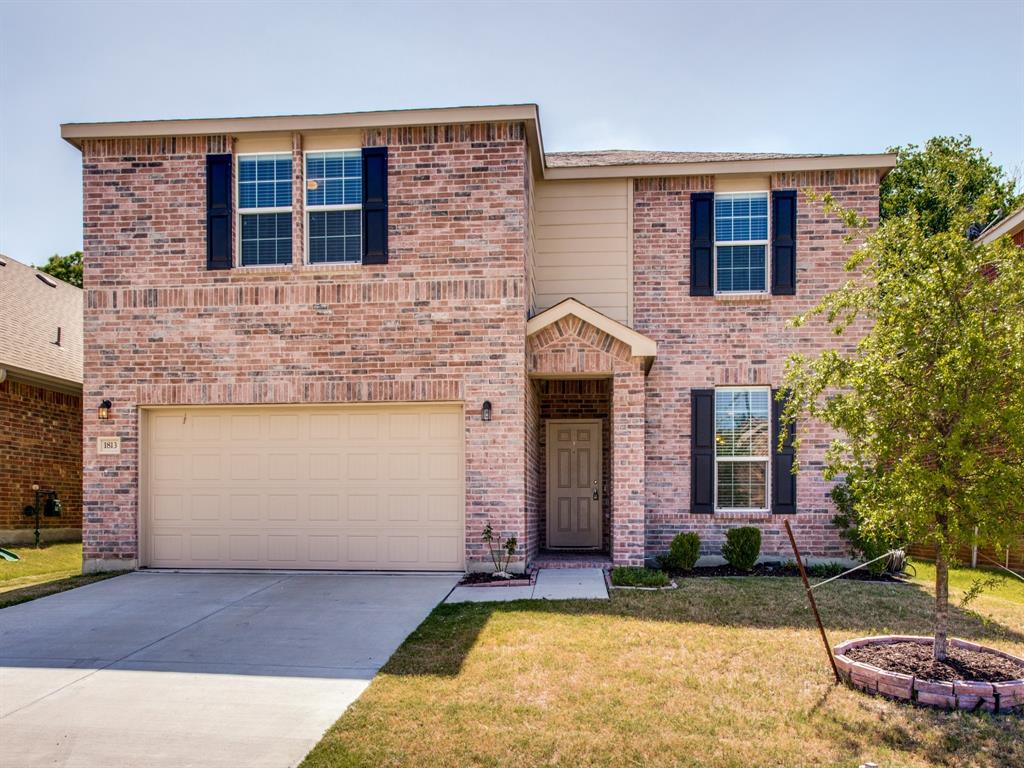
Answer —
(47, 570)
(721, 672)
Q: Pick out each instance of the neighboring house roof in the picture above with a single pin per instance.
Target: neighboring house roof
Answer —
(1011, 225)
(33, 306)
(556, 165)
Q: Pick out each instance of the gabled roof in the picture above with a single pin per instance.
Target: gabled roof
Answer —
(555, 165)
(1010, 225)
(641, 346)
(33, 306)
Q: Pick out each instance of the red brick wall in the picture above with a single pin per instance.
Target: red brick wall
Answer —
(709, 341)
(444, 320)
(40, 442)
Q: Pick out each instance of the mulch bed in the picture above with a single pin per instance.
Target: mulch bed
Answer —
(484, 579)
(960, 664)
(776, 569)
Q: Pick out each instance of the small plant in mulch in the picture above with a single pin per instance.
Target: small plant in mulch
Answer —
(632, 576)
(742, 547)
(683, 553)
(501, 551)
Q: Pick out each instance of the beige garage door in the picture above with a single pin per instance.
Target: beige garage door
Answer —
(304, 487)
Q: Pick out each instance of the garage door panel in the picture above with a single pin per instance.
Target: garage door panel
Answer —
(317, 487)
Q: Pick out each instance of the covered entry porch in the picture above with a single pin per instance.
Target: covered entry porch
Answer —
(585, 437)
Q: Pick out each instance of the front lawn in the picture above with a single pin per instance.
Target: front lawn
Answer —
(45, 571)
(720, 672)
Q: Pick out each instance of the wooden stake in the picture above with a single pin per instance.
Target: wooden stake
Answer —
(814, 606)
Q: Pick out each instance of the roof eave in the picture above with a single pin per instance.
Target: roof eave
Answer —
(883, 161)
(1008, 226)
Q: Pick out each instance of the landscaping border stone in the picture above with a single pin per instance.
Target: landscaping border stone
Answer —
(960, 694)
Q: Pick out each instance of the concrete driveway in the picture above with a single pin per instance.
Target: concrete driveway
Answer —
(189, 669)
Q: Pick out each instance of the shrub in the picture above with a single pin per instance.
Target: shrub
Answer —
(826, 570)
(742, 546)
(682, 552)
(630, 576)
(848, 521)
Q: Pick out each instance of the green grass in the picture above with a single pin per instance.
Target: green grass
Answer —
(628, 576)
(723, 673)
(45, 571)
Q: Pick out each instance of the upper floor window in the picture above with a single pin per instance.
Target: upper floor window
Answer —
(741, 242)
(334, 201)
(265, 209)
(742, 448)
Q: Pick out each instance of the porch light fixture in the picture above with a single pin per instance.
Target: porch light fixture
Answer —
(485, 412)
(104, 412)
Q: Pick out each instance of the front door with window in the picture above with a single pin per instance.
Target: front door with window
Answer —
(574, 484)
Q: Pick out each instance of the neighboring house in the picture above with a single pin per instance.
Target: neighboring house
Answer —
(1011, 226)
(40, 402)
(350, 341)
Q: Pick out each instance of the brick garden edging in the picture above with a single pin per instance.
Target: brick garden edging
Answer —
(960, 694)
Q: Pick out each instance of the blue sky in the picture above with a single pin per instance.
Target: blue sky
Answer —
(801, 77)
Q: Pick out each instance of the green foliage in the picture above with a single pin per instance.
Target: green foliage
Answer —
(825, 570)
(867, 546)
(944, 179)
(501, 550)
(67, 268)
(630, 576)
(928, 402)
(683, 552)
(742, 546)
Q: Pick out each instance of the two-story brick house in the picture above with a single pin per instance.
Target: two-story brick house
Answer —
(350, 341)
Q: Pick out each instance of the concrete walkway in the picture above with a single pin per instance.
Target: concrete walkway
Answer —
(551, 584)
(173, 669)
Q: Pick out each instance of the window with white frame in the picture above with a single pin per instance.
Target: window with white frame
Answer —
(265, 209)
(741, 242)
(334, 201)
(742, 448)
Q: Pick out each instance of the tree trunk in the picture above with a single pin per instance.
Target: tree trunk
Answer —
(941, 605)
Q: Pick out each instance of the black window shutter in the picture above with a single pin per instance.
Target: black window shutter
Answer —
(702, 451)
(702, 243)
(218, 211)
(375, 205)
(783, 479)
(784, 242)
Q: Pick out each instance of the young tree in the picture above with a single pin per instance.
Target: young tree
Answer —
(67, 268)
(929, 404)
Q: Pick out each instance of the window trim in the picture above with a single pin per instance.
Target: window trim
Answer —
(240, 212)
(768, 459)
(308, 209)
(767, 242)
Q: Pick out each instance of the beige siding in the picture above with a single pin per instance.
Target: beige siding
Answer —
(583, 245)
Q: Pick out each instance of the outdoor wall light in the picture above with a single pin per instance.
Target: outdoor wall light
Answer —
(105, 410)
(485, 412)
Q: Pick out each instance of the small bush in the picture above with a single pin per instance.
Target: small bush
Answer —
(742, 546)
(683, 552)
(848, 521)
(630, 576)
(826, 570)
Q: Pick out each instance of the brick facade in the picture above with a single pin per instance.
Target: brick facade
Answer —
(40, 442)
(707, 341)
(444, 320)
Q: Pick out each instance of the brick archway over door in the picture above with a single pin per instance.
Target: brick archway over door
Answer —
(570, 347)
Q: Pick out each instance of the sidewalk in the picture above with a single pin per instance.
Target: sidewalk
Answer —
(551, 584)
